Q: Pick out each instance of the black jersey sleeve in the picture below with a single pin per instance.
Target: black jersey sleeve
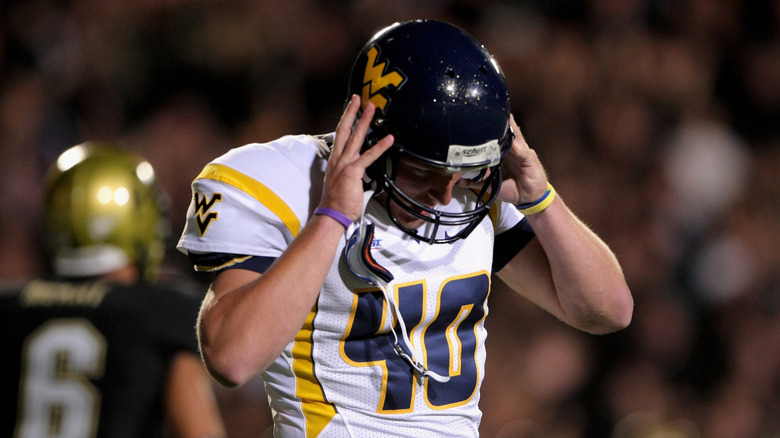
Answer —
(510, 243)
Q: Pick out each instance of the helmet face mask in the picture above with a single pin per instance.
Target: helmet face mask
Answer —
(444, 99)
(465, 221)
(103, 211)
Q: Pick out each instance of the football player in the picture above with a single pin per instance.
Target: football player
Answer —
(99, 350)
(354, 269)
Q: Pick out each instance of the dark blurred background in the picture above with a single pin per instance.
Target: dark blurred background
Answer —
(658, 121)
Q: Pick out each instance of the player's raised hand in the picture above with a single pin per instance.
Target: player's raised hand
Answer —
(343, 188)
(525, 179)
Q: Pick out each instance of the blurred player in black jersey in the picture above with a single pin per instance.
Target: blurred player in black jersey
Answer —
(99, 350)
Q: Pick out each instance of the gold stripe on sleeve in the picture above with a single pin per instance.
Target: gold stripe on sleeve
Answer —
(255, 189)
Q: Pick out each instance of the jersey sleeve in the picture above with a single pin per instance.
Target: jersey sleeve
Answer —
(253, 201)
(514, 232)
(505, 216)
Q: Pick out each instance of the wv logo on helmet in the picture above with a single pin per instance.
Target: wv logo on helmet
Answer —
(375, 80)
(203, 204)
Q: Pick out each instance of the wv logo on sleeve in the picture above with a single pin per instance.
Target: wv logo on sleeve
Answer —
(203, 204)
(375, 80)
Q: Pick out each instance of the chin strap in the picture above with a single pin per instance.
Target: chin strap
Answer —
(363, 265)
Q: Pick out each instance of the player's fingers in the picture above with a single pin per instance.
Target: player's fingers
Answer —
(375, 151)
(519, 138)
(358, 135)
(344, 128)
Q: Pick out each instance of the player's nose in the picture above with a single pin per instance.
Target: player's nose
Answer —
(441, 191)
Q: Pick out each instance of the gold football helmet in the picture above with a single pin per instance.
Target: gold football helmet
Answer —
(103, 211)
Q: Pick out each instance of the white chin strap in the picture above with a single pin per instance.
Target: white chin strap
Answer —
(357, 264)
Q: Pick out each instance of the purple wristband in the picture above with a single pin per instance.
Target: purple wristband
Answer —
(334, 214)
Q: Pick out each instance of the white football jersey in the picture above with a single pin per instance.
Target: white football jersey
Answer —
(341, 376)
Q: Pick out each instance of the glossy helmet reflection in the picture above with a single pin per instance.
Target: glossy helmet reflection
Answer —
(103, 210)
(443, 97)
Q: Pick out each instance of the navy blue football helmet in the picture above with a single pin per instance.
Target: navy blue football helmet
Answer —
(444, 98)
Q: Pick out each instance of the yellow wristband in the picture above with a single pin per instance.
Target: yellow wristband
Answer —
(539, 205)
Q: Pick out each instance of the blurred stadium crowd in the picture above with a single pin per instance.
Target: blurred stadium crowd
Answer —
(658, 121)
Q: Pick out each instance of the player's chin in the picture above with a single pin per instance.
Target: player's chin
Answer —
(409, 220)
